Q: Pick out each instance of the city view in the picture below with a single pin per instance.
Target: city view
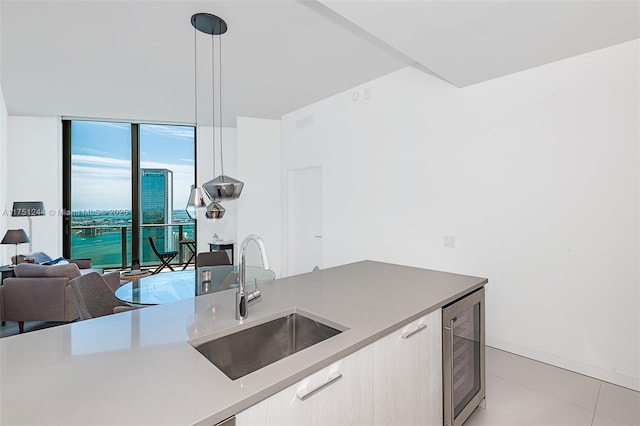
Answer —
(99, 236)
(101, 195)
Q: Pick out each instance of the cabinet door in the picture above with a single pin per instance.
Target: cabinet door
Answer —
(407, 383)
(345, 401)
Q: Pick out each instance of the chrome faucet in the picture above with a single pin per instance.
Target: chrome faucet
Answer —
(242, 297)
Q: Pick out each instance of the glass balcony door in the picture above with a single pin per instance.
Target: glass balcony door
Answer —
(100, 193)
(124, 183)
(166, 175)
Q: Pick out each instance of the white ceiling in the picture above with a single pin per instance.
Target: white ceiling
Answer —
(467, 42)
(134, 59)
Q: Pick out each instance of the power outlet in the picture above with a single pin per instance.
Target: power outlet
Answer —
(449, 241)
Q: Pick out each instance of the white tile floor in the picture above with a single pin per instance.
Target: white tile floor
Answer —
(521, 391)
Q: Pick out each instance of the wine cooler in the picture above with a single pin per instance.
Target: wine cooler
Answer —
(463, 357)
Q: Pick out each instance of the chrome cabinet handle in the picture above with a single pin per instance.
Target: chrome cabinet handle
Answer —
(407, 334)
(306, 392)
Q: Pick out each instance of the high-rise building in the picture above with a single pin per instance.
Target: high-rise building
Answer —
(156, 206)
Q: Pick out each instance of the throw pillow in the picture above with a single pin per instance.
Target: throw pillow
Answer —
(29, 270)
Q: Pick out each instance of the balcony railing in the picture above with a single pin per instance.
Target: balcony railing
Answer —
(109, 246)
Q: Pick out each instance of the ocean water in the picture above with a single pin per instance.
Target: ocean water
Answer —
(99, 237)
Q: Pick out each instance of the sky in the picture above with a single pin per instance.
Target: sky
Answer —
(101, 162)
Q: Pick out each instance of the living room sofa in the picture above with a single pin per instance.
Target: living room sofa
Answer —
(42, 293)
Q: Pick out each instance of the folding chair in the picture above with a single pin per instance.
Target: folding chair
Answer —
(164, 256)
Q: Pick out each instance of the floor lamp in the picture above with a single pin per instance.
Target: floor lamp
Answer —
(28, 208)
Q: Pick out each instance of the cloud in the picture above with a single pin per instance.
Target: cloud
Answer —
(101, 193)
(79, 173)
(182, 132)
(99, 161)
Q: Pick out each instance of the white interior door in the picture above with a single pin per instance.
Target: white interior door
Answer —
(305, 250)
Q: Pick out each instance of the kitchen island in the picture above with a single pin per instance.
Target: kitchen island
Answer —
(140, 367)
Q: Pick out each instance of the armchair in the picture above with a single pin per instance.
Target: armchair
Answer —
(42, 293)
(95, 297)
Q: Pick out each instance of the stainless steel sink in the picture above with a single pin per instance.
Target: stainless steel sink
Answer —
(246, 351)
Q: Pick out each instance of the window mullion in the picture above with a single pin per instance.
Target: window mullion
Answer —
(135, 192)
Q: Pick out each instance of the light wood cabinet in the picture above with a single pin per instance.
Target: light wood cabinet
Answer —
(394, 381)
(407, 381)
(345, 401)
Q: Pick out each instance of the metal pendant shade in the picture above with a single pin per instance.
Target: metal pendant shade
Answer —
(197, 202)
(223, 188)
(214, 211)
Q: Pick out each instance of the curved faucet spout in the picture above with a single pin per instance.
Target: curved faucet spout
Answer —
(260, 243)
(242, 298)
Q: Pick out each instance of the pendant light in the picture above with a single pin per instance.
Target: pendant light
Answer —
(214, 211)
(221, 187)
(198, 201)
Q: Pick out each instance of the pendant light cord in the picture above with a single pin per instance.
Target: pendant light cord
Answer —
(195, 75)
(195, 78)
(220, 106)
(213, 103)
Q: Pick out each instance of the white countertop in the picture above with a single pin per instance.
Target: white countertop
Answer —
(138, 367)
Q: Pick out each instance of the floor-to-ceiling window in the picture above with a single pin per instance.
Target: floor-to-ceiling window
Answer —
(124, 183)
(166, 174)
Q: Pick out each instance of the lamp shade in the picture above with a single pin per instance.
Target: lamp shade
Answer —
(28, 208)
(223, 188)
(197, 202)
(15, 236)
(214, 211)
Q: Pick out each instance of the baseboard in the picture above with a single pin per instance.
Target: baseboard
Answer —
(599, 373)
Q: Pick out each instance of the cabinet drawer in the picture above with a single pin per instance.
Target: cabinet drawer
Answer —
(337, 395)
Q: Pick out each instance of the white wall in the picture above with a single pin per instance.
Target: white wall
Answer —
(534, 175)
(225, 228)
(5, 251)
(34, 173)
(259, 168)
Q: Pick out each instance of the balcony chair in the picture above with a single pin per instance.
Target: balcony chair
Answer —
(165, 257)
(95, 298)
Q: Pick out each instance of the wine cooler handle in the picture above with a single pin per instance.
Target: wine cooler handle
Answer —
(306, 392)
(452, 322)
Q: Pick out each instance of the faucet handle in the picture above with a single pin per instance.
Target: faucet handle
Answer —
(253, 295)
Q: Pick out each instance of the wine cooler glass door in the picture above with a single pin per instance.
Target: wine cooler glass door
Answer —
(463, 323)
